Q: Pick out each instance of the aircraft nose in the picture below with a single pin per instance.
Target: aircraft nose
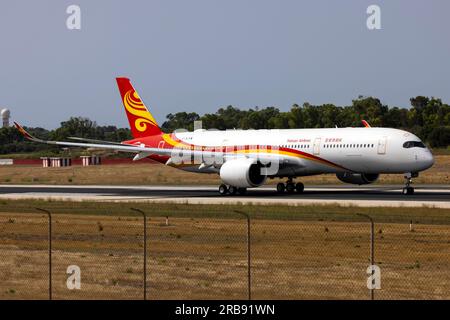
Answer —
(429, 159)
(426, 159)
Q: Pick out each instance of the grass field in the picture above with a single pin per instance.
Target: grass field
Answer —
(333, 212)
(205, 258)
(307, 252)
(150, 174)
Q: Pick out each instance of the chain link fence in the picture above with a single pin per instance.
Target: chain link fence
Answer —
(108, 257)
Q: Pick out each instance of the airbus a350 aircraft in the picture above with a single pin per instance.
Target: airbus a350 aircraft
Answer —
(246, 158)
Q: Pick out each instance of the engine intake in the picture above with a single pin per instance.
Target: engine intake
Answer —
(358, 178)
(242, 173)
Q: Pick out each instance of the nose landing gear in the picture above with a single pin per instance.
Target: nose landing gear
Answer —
(408, 190)
(290, 187)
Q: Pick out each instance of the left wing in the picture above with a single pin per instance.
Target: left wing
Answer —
(118, 147)
(175, 154)
(95, 141)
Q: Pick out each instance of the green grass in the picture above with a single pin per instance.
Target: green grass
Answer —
(441, 151)
(279, 212)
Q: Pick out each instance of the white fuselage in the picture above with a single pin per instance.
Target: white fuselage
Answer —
(362, 150)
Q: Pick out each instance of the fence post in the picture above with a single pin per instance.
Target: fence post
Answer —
(145, 250)
(372, 248)
(49, 251)
(249, 273)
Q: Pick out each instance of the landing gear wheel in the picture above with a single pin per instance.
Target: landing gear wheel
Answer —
(299, 187)
(280, 187)
(242, 191)
(408, 191)
(232, 190)
(290, 187)
(223, 190)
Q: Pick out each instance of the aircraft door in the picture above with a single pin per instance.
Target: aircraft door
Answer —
(382, 145)
(316, 146)
(161, 144)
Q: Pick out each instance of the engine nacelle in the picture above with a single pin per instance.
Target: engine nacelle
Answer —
(242, 173)
(358, 178)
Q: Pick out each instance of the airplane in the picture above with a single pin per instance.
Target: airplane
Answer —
(247, 158)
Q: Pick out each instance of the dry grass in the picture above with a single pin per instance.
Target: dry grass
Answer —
(313, 212)
(156, 174)
(199, 258)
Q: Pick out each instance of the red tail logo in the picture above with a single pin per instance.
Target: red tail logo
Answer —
(141, 121)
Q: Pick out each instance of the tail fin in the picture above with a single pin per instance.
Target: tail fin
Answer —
(141, 121)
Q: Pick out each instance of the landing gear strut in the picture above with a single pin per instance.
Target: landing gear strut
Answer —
(290, 187)
(408, 190)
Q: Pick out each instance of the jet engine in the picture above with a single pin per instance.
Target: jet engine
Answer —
(242, 173)
(358, 178)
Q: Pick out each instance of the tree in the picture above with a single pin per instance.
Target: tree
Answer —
(439, 137)
(77, 127)
(180, 121)
(428, 118)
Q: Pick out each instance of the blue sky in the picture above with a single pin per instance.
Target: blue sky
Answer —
(199, 55)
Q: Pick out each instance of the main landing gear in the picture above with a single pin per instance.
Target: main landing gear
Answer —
(231, 190)
(408, 190)
(290, 187)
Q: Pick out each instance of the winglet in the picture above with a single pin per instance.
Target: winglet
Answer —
(25, 133)
(366, 124)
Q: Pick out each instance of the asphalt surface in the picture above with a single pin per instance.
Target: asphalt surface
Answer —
(350, 195)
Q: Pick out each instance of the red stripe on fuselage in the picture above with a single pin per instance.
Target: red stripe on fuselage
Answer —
(157, 140)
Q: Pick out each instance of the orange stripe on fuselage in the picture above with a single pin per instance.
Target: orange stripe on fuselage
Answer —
(173, 141)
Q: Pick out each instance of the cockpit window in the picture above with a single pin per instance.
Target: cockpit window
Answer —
(412, 144)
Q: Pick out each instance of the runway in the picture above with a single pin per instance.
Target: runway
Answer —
(368, 196)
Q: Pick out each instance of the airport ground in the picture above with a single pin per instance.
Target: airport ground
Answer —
(298, 252)
(310, 251)
(201, 253)
(157, 174)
